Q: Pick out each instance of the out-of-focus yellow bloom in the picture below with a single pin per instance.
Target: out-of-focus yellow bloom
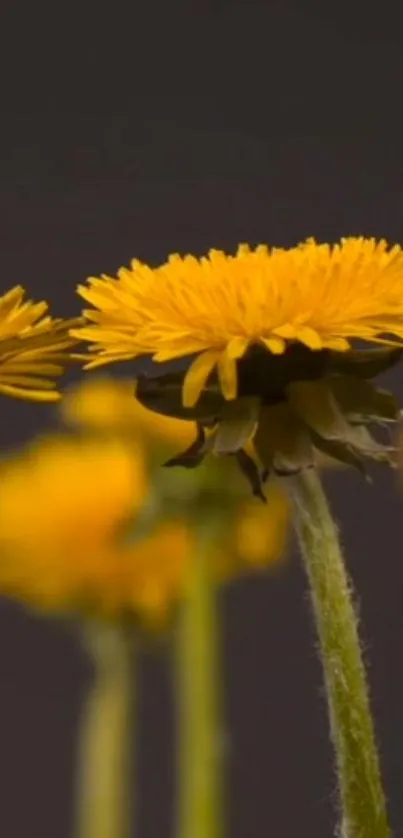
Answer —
(106, 404)
(260, 534)
(157, 569)
(258, 538)
(66, 506)
(79, 532)
(62, 492)
(33, 348)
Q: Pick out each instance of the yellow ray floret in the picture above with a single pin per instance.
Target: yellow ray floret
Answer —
(318, 294)
(33, 347)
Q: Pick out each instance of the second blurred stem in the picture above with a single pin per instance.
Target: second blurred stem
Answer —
(104, 797)
(199, 680)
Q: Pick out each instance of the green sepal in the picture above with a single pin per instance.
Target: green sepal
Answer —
(363, 442)
(362, 402)
(316, 406)
(364, 363)
(255, 476)
(164, 395)
(192, 456)
(237, 424)
(282, 441)
(341, 452)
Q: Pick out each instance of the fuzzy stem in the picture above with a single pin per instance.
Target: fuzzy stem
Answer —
(105, 743)
(200, 812)
(363, 808)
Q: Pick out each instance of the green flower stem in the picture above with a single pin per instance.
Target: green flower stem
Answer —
(200, 807)
(105, 744)
(363, 808)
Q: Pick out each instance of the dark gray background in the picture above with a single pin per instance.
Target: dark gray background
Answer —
(196, 125)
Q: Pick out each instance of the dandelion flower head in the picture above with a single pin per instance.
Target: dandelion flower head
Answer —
(33, 347)
(213, 310)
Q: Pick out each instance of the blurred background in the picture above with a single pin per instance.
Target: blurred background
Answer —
(202, 124)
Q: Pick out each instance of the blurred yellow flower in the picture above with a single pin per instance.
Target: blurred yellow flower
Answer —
(157, 569)
(107, 404)
(258, 538)
(88, 525)
(65, 509)
(77, 536)
(33, 348)
(260, 533)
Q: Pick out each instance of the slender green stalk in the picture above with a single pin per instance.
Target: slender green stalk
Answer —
(200, 812)
(363, 809)
(103, 783)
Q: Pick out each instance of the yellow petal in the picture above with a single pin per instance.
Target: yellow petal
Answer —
(10, 299)
(275, 345)
(287, 331)
(197, 376)
(309, 337)
(337, 344)
(237, 347)
(30, 381)
(227, 373)
(305, 334)
(18, 364)
(30, 395)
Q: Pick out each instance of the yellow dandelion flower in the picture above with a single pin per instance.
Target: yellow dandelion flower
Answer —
(257, 348)
(108, 404)
(220, 306)
(33, 347)
(64, 507)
